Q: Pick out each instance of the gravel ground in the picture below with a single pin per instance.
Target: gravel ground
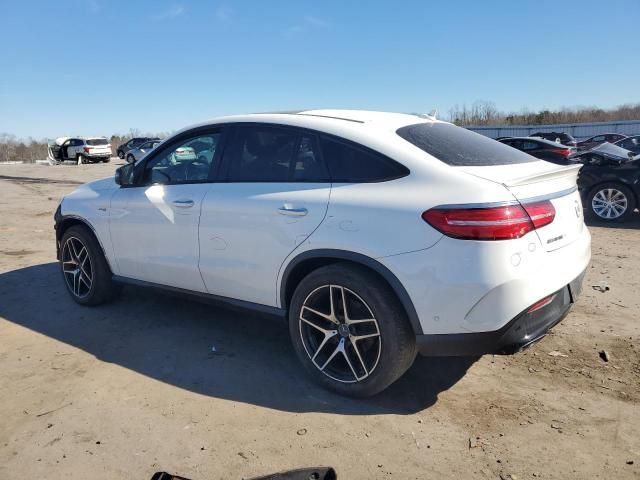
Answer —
(130, 388)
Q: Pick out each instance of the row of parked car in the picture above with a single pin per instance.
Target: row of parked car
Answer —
(610, 178)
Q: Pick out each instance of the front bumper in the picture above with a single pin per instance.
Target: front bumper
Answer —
(523, 331)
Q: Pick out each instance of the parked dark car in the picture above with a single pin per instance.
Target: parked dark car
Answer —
(133, 143)
(558, 137)
(630, 143)
(542, 149)
(609, 182)
(589, 143)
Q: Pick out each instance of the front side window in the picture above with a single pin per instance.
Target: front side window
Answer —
(186, 161)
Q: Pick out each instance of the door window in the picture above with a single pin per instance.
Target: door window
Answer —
(261, 154)
(274, 155)
(186, 161)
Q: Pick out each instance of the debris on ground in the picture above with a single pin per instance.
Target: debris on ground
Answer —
(555, 353)
(601, 287)
(604, 355)
(302, 431)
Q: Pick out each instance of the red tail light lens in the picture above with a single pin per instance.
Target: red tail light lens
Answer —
(495, 223)
(86, 149)
(565, 152)
(540, 213)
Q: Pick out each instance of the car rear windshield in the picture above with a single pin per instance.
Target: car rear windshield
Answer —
(458, 146)
(97, 141)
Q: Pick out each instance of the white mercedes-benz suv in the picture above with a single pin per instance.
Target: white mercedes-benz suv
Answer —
(376, 235)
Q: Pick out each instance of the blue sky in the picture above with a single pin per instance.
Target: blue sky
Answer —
(101, 67)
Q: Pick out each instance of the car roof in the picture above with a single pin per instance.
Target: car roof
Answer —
(326, 120)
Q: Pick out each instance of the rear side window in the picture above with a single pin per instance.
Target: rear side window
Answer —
(458, 146)
(97, 141)
(354, 164)
(272, 154)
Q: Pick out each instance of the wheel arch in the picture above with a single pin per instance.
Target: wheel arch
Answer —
(64, 222)
(304, 263)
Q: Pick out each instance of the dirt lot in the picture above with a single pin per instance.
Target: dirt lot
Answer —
(124, 390)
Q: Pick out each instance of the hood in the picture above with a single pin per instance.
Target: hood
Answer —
(102, 184)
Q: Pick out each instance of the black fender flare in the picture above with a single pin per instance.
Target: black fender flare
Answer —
(361, 259)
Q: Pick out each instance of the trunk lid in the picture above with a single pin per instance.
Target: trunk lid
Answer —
(535, 181)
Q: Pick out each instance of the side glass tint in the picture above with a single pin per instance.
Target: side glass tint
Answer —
(188, 161)
(261, 154)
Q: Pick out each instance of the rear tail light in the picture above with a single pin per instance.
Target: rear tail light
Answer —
(565, 152)
(493, 223)
(86, 149)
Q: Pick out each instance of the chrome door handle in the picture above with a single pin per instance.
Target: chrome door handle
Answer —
(294, 212)
(183, 203)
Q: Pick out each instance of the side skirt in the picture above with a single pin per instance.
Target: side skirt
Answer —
(205, 297)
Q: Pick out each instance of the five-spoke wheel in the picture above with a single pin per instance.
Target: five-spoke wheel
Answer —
(340, 333)
(86, 272)
(76, 267)
(349, 330)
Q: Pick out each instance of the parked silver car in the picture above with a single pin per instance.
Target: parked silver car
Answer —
(136, 154)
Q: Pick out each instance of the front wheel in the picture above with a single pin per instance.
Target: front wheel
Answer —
(120, 154)
(130, 159)
(349, 330)
(611, 202)
(85, 271)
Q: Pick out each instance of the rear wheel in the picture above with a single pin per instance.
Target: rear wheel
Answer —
(80, 160)
(611, 202)
(86, 273)
(349, 330)
(120, 154)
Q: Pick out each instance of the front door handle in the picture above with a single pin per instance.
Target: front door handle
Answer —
(183, 203)
(291, 211)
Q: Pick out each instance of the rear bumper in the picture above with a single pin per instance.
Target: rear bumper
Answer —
(521, 332)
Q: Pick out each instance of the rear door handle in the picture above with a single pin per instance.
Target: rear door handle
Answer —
(183, 203)
(293, 212)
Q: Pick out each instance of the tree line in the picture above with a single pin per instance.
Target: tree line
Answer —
(479, 113)
(486, 113)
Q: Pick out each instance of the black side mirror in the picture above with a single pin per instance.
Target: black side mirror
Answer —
(124, 175)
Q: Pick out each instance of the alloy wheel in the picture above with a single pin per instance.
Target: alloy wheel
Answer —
(609, 203)
(340, 334)
(76, 267)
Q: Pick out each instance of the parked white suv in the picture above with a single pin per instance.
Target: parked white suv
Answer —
(79, 149)
(376, 235)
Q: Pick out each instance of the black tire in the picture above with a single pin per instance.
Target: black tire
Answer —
(102, 288)
(106, 160)
(624, 190)
(81, 160)
(120, 154)
(395, 351)
(131, 159)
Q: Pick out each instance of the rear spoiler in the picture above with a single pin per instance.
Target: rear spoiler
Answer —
(545, 176)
